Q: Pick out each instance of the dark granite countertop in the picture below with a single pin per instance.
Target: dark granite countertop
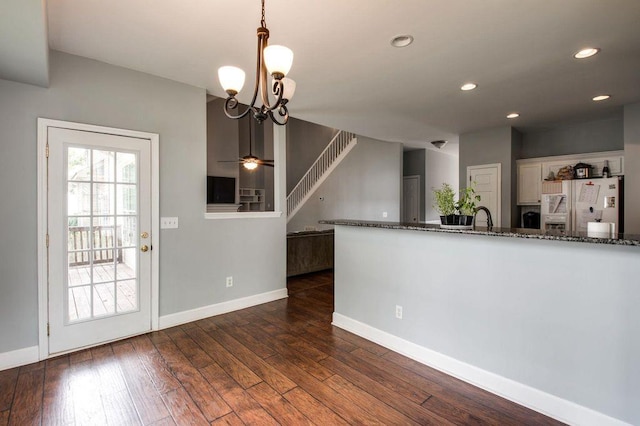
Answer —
(306, 233)
(581, 237)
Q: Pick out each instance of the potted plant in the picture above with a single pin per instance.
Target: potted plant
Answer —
(445, 204)
(456, 213)
(466, 205)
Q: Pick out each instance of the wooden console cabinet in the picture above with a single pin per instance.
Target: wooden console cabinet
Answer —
(309, 251)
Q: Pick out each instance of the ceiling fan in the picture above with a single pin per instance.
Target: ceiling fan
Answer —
(250, 162)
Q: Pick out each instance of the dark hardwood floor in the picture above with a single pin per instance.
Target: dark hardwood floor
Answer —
(277, 363)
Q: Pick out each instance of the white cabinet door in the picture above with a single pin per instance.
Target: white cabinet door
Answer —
(529, 181)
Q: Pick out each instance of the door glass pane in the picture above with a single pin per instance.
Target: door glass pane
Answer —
(126, 167)
(127, 231)
(78, 164)
(78, 199)
(80, 303)
(126, 267)
(104, 299)
(127, 296)
(103, 166)
(102, 233)
(79, 271)
(103, 200)
(127, 200)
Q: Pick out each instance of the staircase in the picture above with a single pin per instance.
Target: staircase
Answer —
(332, 155)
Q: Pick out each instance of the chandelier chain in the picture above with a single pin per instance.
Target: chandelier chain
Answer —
(263, 21)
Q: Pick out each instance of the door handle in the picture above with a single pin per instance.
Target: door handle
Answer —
(144, 248)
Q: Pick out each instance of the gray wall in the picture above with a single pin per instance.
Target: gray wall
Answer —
(591, 136)
(632, 168)
(488, 147)
(440, 168)
(414, 164)
(365, 184)
(305, 142)
(194, 259)
(573, 332)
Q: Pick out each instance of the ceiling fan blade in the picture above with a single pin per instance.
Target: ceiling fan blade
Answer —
(267, 165)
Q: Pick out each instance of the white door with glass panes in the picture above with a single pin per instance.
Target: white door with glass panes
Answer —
(99, 226)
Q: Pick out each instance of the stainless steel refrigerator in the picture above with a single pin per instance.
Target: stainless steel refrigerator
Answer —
(597, 200)
(570, 205)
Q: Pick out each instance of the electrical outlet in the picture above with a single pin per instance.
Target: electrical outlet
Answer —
(229, 281)
(168, 222)
(398, 311)
(384, 214)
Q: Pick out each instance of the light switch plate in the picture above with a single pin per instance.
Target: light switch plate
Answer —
(168, 222)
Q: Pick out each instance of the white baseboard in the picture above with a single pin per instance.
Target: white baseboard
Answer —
(19, 357)
(545, 403)
(184, 317)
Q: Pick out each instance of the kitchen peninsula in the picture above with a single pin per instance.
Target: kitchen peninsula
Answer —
(550, 321)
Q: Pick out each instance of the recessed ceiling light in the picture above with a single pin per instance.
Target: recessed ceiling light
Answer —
(402, 40)
(601, 98)
(586, 53)
(468, 86)
(513, 115)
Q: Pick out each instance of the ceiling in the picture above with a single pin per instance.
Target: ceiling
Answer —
(349, 76)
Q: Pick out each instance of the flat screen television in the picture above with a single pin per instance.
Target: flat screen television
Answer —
(221, 190)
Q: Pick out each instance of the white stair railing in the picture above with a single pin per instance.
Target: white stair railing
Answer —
(332, 155)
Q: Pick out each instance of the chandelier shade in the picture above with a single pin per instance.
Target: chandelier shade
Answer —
(231, 78)
(277, 61)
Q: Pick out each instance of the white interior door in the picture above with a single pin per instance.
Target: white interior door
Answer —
(411, 199)
(99, 228)
(487, 183)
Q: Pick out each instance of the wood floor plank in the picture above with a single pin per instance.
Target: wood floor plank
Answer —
(194, 353)
(243, 405)
(400, 403)
(230, 419)
(324, 393)
(80, 356)
(327, 340)
(313, 409)
(8, 380)
(148, 402)
(167, 421)
(447, 402)
(58, 403)
(4, 417)
(155, 365)
(266, 372)
(487, 399)
(85, 386)
(119, 409)
(232, 365)
(254, 344)
(281, 409)
(183, 410)
(26, 408)
(361, 398)
(198, 388)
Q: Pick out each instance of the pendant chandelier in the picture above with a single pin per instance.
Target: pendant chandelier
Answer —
(277, 61)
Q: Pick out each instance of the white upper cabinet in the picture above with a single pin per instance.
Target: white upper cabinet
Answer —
(529, 183)
(532, 171)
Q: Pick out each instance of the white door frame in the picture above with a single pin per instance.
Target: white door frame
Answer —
(154, 138)
(498, 219)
